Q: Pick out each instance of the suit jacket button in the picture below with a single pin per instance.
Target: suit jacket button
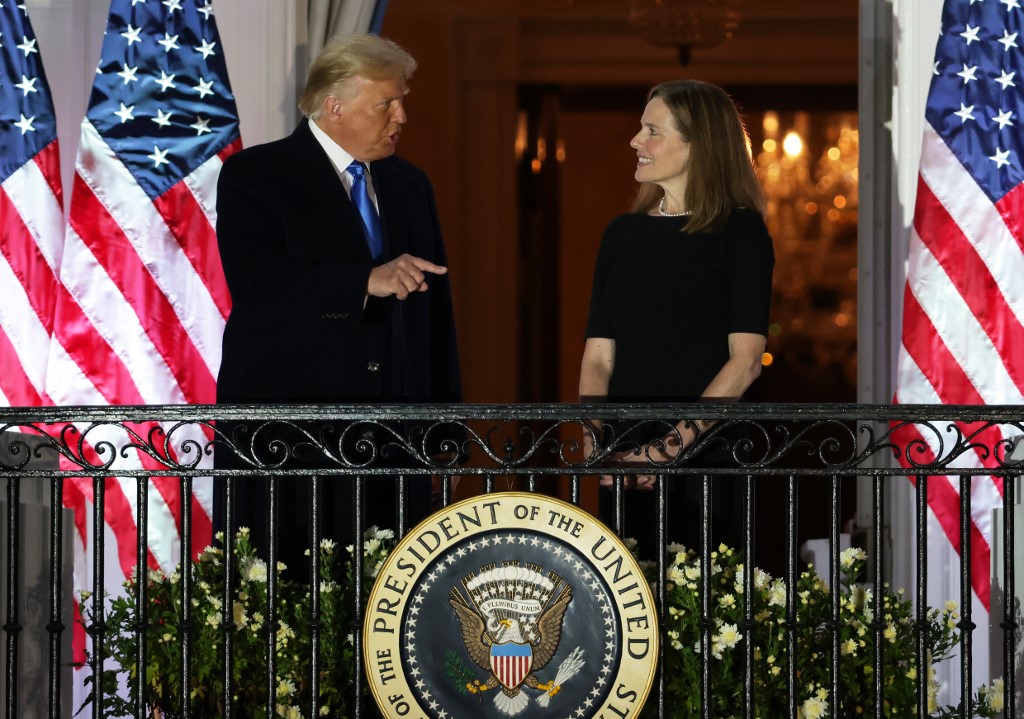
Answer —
(373, 367)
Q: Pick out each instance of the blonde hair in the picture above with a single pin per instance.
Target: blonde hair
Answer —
(721, 172)
(347, 56)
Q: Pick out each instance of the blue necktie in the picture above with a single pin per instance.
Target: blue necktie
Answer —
(361, 199)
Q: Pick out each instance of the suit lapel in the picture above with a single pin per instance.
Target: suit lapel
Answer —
(322, 186)
(391, 200)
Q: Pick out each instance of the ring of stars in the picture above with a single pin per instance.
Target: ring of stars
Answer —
(587, 577)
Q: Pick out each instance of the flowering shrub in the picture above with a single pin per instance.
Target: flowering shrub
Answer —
(682, 635)
(249, 611)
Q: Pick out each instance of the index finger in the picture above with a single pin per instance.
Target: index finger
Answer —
(427, 266)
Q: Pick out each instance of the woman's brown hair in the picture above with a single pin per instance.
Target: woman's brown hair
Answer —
(721, 173)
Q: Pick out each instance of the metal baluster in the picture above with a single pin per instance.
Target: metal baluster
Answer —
(12, 627)
(921, 643)
(401, 505)
(835, 588)
(228, 597)
(315, 604)
(273, 623)
(185, 499)
(141, 587)
(965, 625)
(1009, 623)
(660, 493)
(56, 626)
(877, 609)
(705, 598)
(791, 579)
(97, 627)
(358, 571)
(748, 595)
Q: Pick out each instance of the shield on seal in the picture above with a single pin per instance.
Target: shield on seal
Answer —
(511, 662)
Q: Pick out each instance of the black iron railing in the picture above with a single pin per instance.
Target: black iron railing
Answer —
(787, 448)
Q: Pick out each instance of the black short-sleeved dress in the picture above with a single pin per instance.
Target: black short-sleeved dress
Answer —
(670, 300)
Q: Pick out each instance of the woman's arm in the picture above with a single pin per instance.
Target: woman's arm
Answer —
(595, 374)
(596, 369)
(735, 378)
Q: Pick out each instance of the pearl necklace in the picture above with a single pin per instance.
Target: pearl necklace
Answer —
(661, 210)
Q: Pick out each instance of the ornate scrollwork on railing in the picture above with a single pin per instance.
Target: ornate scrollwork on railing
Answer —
(556, 441)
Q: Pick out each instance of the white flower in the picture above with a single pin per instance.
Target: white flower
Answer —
(777, 594)
(256, 571)
(994, 695)
(675, 575)
(239, 615)
(851, 555)
(729, 635)
(285, 687)
(813, 708)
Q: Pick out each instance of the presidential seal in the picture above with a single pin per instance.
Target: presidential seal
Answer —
(510, 605)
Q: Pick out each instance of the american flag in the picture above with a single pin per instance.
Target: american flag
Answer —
(963, 337)
(31, 212)
(143, 299)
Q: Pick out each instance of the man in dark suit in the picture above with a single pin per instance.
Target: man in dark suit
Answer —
(333, 302)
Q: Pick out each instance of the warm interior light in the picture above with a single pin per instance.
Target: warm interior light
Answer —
(767, 359)
(522, 128)
(792, 145)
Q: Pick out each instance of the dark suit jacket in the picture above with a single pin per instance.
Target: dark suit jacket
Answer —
(297, 265)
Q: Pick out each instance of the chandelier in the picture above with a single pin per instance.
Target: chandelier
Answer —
(685, 23)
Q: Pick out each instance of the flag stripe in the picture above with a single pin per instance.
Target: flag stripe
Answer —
(48, 162)
(17, 388)
(27, 336)
(942, 372)
(34, 278)
(189, 209)
(974, 284)
(985, 226)
(31, 195)
(163, 261)
(944, 501)
(972, 279)
(31, 228)
(112, 250)
(91, 355)
(1011, 209)
(933, 357)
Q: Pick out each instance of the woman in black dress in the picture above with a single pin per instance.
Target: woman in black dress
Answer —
(682, 286)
